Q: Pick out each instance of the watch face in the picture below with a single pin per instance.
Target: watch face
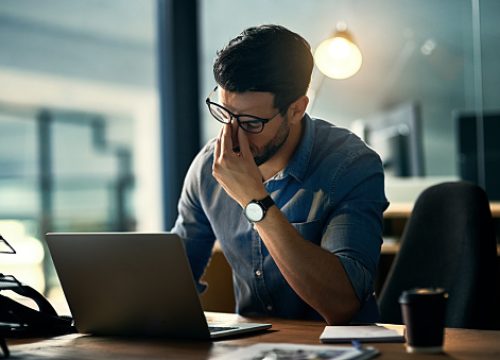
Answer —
(254, 212)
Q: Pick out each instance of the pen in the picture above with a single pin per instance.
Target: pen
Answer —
(357, 344)
(5, 349)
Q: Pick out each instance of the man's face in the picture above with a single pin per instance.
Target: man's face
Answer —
(267, 143)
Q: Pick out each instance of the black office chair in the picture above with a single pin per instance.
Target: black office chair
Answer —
(449, 241)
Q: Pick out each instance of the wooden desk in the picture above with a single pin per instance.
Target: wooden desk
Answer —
(459, 344)
(398, 213)
(403, 210)
(393, 248)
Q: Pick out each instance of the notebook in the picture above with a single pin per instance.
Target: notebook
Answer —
(362, 333)
(133, 284)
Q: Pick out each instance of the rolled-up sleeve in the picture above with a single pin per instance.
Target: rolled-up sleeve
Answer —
(354, 229)
(192, 224)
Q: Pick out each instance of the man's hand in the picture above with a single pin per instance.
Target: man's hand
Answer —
(237, 172)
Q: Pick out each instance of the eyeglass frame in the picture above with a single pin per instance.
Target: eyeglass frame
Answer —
(256, 119)
(12, 250)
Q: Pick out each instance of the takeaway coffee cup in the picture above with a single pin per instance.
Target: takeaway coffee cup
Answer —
(423, 314)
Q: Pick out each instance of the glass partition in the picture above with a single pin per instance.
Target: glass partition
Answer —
(80, 145)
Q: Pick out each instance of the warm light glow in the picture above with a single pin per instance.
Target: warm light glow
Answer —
(26, 265)
(338, 57)
(29, 250)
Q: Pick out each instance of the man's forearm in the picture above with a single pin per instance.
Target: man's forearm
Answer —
(315, 274)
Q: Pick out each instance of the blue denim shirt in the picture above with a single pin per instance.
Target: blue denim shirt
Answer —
(331, 191)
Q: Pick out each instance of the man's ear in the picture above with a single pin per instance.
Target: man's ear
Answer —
(297, 109)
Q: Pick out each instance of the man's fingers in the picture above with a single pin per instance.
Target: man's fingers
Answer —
(218, 144)
(244, 146)
(217, 147)
(226, 141)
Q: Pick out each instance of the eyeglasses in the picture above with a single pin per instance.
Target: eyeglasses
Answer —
(249, 123)
(5, 247)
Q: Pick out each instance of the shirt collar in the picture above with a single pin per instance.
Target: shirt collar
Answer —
(298, 164)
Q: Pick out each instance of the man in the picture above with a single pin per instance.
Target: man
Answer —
(296, 203)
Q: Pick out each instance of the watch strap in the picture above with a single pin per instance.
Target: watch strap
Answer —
(266, 203)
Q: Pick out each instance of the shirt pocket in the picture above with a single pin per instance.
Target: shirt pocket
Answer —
(311, 230)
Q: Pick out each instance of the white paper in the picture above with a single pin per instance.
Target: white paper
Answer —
(362, 333)
(278, 351)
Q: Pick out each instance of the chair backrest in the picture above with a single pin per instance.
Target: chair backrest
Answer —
(449, 241)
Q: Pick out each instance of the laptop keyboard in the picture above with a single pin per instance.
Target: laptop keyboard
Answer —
(220, 328)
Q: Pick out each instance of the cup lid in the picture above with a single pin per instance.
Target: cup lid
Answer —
(410, 295)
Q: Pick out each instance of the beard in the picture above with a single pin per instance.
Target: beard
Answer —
(272, 147)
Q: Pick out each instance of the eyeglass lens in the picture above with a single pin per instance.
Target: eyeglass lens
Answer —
(247, 123)
(220, 113)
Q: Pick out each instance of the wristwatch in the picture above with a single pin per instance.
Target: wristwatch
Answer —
(256, 209)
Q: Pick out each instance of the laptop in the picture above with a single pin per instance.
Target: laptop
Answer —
(133, 284)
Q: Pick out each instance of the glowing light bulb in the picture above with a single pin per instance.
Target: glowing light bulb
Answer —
(338, 57)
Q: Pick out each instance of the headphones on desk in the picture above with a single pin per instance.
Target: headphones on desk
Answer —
(18, 320)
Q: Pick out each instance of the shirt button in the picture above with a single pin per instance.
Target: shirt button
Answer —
(258, 273)
(269, 307)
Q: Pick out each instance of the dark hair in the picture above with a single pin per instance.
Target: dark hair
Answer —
(268, 58)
